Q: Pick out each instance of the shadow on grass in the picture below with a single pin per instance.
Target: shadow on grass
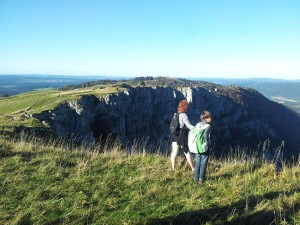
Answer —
(26, 156)
(240, 212)
(229, 175)
(6, 152)
(65, 163)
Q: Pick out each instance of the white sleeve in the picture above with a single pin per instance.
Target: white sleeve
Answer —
(183, 119)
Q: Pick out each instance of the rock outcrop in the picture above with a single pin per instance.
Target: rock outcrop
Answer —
(241, 117)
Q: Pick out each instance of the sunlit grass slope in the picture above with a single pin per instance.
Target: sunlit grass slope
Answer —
(43, 184)
(37, 101)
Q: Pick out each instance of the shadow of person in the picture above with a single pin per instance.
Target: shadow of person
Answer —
(241, 212)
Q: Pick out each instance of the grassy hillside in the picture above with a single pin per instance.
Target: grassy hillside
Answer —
(38, 101)
(15, 84)
(54, 183)
(12, 108)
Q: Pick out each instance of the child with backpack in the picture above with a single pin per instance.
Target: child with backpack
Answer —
(179, 128)
(199, 141)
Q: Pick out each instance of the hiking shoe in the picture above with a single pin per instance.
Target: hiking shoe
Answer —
(201, 181)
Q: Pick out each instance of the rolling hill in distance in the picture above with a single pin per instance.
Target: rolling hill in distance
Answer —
(16, 84)
(286, 92)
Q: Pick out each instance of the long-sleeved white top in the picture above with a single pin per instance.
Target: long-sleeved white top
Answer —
(183, 119)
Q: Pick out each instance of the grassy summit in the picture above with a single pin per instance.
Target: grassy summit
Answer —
(12, 108)
(38, 101)
(145, 81)
(43, 184)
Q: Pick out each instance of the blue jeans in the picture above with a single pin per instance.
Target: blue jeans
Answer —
(200, 167)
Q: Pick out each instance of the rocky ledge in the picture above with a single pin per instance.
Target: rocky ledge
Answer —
(241, 117)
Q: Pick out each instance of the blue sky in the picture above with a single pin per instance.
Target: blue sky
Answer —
(203, 38)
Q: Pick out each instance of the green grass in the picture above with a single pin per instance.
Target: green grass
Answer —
(43, 184)
(38, 101)
(12, 108)
(15, 104)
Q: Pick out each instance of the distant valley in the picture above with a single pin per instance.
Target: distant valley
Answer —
(17, 84)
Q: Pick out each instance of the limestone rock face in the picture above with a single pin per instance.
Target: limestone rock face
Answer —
(240, 117)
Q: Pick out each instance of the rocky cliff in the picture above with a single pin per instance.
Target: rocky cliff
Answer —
(241, 117)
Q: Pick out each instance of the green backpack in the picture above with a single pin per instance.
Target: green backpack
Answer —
(196, 140)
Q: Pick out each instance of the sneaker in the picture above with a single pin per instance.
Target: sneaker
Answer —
(201, 181)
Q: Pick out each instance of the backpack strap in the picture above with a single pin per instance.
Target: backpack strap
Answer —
(205, 126)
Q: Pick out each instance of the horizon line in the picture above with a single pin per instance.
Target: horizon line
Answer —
(135, 76)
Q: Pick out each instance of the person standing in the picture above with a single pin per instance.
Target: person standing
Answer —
(202, 158)
(180, 141)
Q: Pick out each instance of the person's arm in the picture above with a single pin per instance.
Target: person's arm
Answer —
(207, 134)
(186, 121)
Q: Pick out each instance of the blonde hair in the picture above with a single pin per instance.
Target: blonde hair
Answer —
(205, 114)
